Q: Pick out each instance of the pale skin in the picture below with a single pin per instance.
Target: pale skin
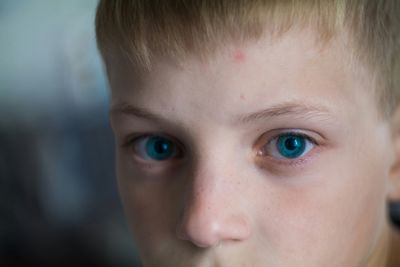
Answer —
(225, 197)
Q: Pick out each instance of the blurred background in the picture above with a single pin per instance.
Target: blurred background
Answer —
(58, 199)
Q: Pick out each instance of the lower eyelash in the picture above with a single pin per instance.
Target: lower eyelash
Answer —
(266, 160)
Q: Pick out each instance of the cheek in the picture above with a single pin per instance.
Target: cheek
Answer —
(148, 207)
(338, 213)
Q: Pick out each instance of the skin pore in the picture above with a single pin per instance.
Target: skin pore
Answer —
(226, 196)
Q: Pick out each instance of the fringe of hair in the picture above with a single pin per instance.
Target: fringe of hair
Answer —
(141, 30)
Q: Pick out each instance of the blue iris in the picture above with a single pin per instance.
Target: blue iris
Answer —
(291, 146)
(159, 148)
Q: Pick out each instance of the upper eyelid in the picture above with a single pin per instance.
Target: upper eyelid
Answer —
(260, 152)
(290, 132)
(134, 137)
(274, 134)
(294, 133)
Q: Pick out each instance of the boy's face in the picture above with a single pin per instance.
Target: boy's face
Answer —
(269, 154)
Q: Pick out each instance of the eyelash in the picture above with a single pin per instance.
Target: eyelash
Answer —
(280, 160)
(133, 142)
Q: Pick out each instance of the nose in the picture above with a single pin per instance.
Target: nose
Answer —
(213, 212)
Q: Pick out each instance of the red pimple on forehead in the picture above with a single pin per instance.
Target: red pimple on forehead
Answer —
(239, 56)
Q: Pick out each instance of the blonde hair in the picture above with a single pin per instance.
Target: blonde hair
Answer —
(143, 29)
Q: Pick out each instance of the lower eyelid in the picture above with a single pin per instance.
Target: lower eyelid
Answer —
(282, 164)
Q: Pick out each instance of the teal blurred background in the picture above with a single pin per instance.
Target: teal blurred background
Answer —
(58, 200)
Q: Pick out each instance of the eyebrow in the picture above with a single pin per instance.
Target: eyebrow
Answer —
(283, 109)
(127, 109)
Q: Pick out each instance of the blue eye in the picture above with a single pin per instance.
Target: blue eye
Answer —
(156, 148)
(289, 146)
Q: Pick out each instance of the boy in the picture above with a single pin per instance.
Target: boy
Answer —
(256, 133)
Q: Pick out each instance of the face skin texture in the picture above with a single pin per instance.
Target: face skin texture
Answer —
(226, 197)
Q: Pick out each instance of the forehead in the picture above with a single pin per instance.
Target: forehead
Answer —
(237, 78)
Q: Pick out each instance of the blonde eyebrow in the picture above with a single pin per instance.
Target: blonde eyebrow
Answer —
(284, 109)
(127, 109)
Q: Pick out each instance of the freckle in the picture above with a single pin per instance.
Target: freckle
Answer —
(239, 56)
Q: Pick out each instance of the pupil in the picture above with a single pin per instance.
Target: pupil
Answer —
(291, 146)
(292, 143)
(161, 147)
